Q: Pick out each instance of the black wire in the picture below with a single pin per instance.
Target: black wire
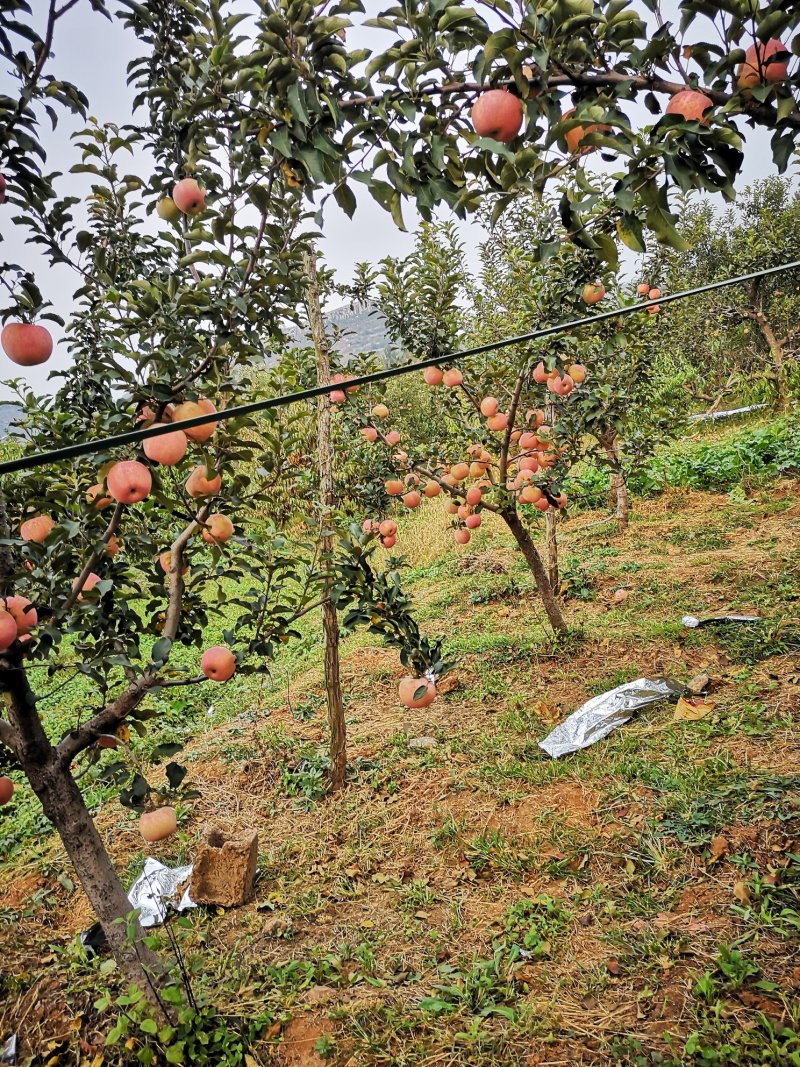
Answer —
(102, 444)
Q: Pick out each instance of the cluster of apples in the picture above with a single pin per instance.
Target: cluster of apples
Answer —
(649, 293)
(18, 617)
(386, 531)
(499, 114)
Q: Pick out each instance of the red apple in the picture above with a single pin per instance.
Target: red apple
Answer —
(129, 481)
(497, 114)
(764, 63)
(36, 529)
(168, 449)
(26, 344)
(408, 687)
(23, 613)
(158, 824)
(691, 105)
(6, 790)
(188, 196)
(218, 663)
(592, 292)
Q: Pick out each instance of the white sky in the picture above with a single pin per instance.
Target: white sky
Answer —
(93, 53)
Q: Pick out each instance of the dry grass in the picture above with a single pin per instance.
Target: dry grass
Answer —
(413, 867)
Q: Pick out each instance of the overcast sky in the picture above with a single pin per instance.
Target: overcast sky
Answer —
(93, 53)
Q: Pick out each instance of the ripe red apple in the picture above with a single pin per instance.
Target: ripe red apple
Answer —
(642, 289)
(530, 494)
(394, 487)
(6, 790)
(26, 344)
(497, 422)
(452, 377)
(574, 137)
(592, 292)
(129, 481)
(412, 499)
(389, 542)
(8, 630)
(168, 449)
(36, 529)
(198, 484)
(540, 373)
(165, 560)
(432, 489)
(474, 495)
(23, 612)
(392, 437)
(188, 196)
(459, 471)
(461, 537)
(489, 406)
(218, 528)
(542, 504)
(691, 105)
(94, 496)
(472, 522)
(764, 63)
(158, 824)
(433, 376)
(91, 581)
(577, 372)
(408, 687)
(497, 114)
(369, 433)
(112, 546)
(218, 663)
(388, 528)
(380, 411)
(193, 409)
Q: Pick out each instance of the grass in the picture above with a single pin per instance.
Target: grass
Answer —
(478, 903)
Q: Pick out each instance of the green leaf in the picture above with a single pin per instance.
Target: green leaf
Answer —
(345, 198)
(629, 230)
(456, 15)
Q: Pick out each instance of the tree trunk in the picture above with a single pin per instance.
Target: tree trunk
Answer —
(777, 353)
(551, 523)
(63, 804)
(618, 485)
(534, 561)
(330, 625)
(551, 544)
(773, 344)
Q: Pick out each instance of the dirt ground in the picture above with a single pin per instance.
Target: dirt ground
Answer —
(474, 902)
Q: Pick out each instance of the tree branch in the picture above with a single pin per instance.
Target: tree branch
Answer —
(86, 570)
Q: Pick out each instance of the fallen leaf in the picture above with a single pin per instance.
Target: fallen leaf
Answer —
(718, 848)
(741, 892)
(689, 710)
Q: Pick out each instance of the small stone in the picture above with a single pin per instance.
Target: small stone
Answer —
(277, 926)
(620, 596)
(699, 684)
(319, 995)
(422, 742)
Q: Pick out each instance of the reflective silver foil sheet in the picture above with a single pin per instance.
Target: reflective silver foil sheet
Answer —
(595, 719)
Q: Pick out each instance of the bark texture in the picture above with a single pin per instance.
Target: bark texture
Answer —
(330, 623)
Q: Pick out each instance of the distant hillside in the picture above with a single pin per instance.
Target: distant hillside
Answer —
(360, 329)
(8, 412)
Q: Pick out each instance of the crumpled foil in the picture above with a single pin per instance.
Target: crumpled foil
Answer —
(155, 888)
(152, 892)
(595, 719)
(692, 622)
